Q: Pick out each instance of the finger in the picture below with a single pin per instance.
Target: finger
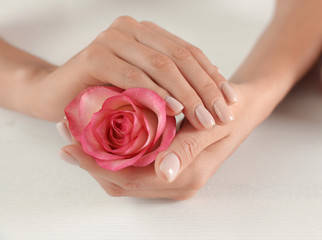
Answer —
(204, 62)
(187, 65)
(165, 73)
(184, 148)
(226, 88)
(116, 191)
(195, 176)
(207, 163)
(130, 178)
(191, 70)
(108, 68)
(63, 130)
(213, 156)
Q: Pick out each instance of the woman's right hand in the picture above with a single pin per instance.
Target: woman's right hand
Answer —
(186, 165)
(140, 54)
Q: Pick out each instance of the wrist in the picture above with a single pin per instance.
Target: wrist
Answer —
(26, 81)
(260, 97)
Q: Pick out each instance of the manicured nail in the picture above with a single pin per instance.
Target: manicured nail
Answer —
(222, 110)
(174, 104)
(68, 158)
(170, 166)
(64, 132)
(204, 117)
(229, 93)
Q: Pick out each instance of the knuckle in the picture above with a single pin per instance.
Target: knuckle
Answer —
(185, 195)
(198, 178)
(180, 53)
(215, 68)
(161, 92)
(87, 165)
(161, 62)
(132, 185)
(196, 183)
(114, 191)
(108, 35)
(124, 20)
(147, 23)
(104, 35)
(91, 52)
(213, 71)
(133, 75)
(189, 148)
(210, 89)
(189, 98)
(194, 50)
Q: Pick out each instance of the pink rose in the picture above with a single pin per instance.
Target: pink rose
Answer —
(120, 128)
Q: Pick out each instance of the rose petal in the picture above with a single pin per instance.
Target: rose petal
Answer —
(118, 142)
(152, 101)
(167, 137)
(150, 123)
(135, 145)
(92, 147)
(120, 163)
(80, 110)
(144, 138)
(101, 133)
(122, 122)
(137, 125)
(116, 89)
(119, 103)
(92, 101)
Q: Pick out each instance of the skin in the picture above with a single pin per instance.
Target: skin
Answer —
(128, 54)
(286, 50)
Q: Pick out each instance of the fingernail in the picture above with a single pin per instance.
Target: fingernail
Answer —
(174, 104)
(204, 117)
(64, 132)
(222, 110)
(229, 92)
(68, 158)
(170, 166)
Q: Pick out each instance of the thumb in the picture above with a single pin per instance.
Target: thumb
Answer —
(184, 148)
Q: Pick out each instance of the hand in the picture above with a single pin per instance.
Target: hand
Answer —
(200, 153)
(139, 54)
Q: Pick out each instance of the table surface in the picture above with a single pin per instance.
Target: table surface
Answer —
(270, 188)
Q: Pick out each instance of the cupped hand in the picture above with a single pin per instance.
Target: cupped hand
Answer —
(193, 157)
(140, 54)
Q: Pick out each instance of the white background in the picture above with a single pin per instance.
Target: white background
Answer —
(270, 188)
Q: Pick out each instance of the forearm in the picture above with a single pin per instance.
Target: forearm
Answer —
(285, 51)
(18, 70)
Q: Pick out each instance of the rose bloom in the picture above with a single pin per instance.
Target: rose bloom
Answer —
(120, 128)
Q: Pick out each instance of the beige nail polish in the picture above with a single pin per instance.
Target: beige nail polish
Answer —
(204, 117)
(222, 110)
(68, 158)
(170, 166)
(229, 93)
(64, 132)
(174, 104)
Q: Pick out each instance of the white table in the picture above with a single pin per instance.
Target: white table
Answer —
(271, 188)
